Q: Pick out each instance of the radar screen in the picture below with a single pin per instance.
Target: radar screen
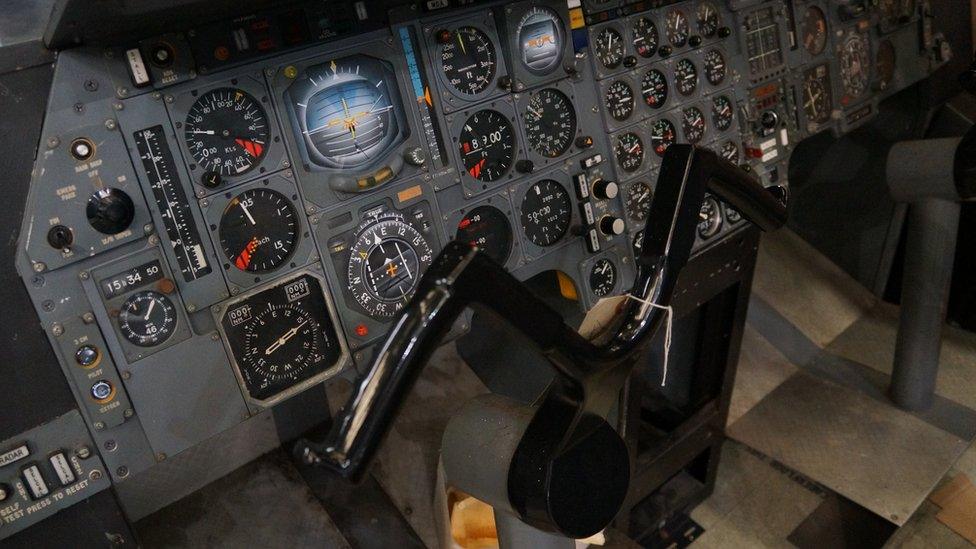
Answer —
(280, 337)
(348, 116)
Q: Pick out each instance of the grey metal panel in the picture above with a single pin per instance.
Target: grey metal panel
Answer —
(881, 458)
(185, 394)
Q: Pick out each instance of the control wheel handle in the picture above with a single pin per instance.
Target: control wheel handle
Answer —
(589, 374)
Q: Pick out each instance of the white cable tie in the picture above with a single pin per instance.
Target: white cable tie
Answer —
(667, 331)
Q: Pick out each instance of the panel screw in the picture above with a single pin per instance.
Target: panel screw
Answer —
(118, 106)
(153, 240)
(37, 281)
(285, 164)
(170, 99)
(110, 124)
(53, 142)
(91, 84)
(215, 336)
(79, 108)
(88, 317)
(289, 174)
(57, 330)
(116, 539)
(200, 193)
(83, 452)
(126, 374)
(99, 425)
(83, 275)
(128, 413)
(95, 475)
(235, 290)
(47, 305)
(147, 228)
(269, 72)
(204, 203)
(122, 471)
(157, 96)
(310, 210)
(122, 91)
(160, 457)
(191, 307)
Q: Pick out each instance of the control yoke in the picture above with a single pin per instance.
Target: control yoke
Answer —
(569, 471)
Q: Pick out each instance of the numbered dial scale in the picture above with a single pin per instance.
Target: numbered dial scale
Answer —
(487, 145)
(546, 212)
(385, 264)
(281, 337)
(468, 59)
(258, 230)
(603, 277)
(226, 132)
(147, 318)
(550, 122)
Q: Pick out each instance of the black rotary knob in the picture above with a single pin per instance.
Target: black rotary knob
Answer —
(605, 190)
(612, 226)
(110, 211)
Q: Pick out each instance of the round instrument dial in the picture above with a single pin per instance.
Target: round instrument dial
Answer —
(386, 263)
(281, 336)
(685, 77)
(469, 61)
(814, 30)
(487, 145)
(147, 318)
(693, 125)
(603, 277)
(676, 27)
(619, 100)
(638, 202)
(708, 19)
(540, 39)
(550, 122)
(722, 112)
(885, 63)
(710, 217)
(663, 135)
(715, 67)
(610, 48)
(226, 132)
(816, 95)
(730, 152)
(629, 150)
(546, 212)
(487, 228)
(258, 230)
(645, 37)
(654, 88)
(854, 64)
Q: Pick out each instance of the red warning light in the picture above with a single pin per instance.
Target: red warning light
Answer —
(362, 330)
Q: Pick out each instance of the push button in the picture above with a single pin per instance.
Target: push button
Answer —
(34, 482)
(62, 468)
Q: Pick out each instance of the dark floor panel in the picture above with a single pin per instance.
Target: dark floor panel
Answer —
(840, 523)
(263, 504)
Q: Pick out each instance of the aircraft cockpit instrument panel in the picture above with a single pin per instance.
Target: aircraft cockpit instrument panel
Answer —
(224, 216)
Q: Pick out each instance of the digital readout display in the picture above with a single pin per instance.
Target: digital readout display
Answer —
(136, 277)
